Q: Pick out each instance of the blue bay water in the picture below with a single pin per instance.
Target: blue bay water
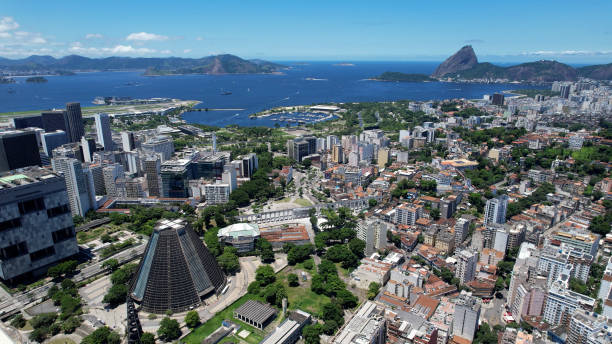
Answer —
(252, 93)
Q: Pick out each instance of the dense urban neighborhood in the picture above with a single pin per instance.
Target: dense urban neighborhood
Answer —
(453, 221)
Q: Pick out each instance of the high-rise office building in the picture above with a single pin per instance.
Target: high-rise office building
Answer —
(54, 120)
(337, 154)
(18, 148)
(128, 141)
(462, 228)
(495, 210)
(175, 176)
(249, 164)
(103, 130)
(384, 156)
(88, 147)
(27, 122)
(151, 166)
(97, 172)
(374, 234)
(467, 314)
(111, 174)
(466, 266)
(74, 122)
(36, 227)
(134, 187)
(217, 193)
(564, 91)
(52, 140)
(160, 144)
(229, 177)
(497, 99)
(132, 159)
(80, 193)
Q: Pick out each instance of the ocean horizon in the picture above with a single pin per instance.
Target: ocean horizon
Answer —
(304, 83)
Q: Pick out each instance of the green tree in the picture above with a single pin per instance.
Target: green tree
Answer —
(298, 254)
(254, 288)
(63, 268)
(372, 202)
(228, 261)
(116, 295)
(147, 338)
(71, 324)
(102, 335)
(499, 284)
(266, 251)
(18, 321)
(293, 280)
(39, 334)
(169, 329)
(69, 306)
(43, 320)
(111, 264)
(192, 319)
(265, 275)
(357, 246)
(346, 299)
(311, 334)
(373, 290)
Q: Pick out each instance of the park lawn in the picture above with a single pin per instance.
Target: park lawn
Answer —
(303, 202)
(301, 297)
(285, 200)
(204, 330)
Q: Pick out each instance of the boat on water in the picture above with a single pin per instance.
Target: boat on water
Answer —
(99, 101)
(225, 93)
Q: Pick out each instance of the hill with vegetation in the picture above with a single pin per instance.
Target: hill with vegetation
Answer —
(465, 66)
(217, 64)
(403, 77)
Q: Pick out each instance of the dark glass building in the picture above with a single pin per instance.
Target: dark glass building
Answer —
(18, 148)
(54, 120)
(176, 271)
(74, 122)
(27, 122)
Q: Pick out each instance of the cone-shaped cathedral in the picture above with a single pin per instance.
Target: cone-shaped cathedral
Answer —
(176, 270)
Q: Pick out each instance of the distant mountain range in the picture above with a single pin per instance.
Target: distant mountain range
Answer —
(464, 65)
(217, 64)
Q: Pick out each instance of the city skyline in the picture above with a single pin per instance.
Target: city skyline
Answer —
(314, 31)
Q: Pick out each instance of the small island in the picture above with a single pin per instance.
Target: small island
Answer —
(36, 79)
(403, 77)
(6, 80)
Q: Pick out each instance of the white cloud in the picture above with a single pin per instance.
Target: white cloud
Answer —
(93, 36)
(38, 40)
(5, 35)
(566, 53)
(166, 51)
(199, 38)
(78, 48)
(145, 36)
(8, 24)
(187, 51)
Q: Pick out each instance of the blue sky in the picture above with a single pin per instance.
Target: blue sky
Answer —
(568, 31)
